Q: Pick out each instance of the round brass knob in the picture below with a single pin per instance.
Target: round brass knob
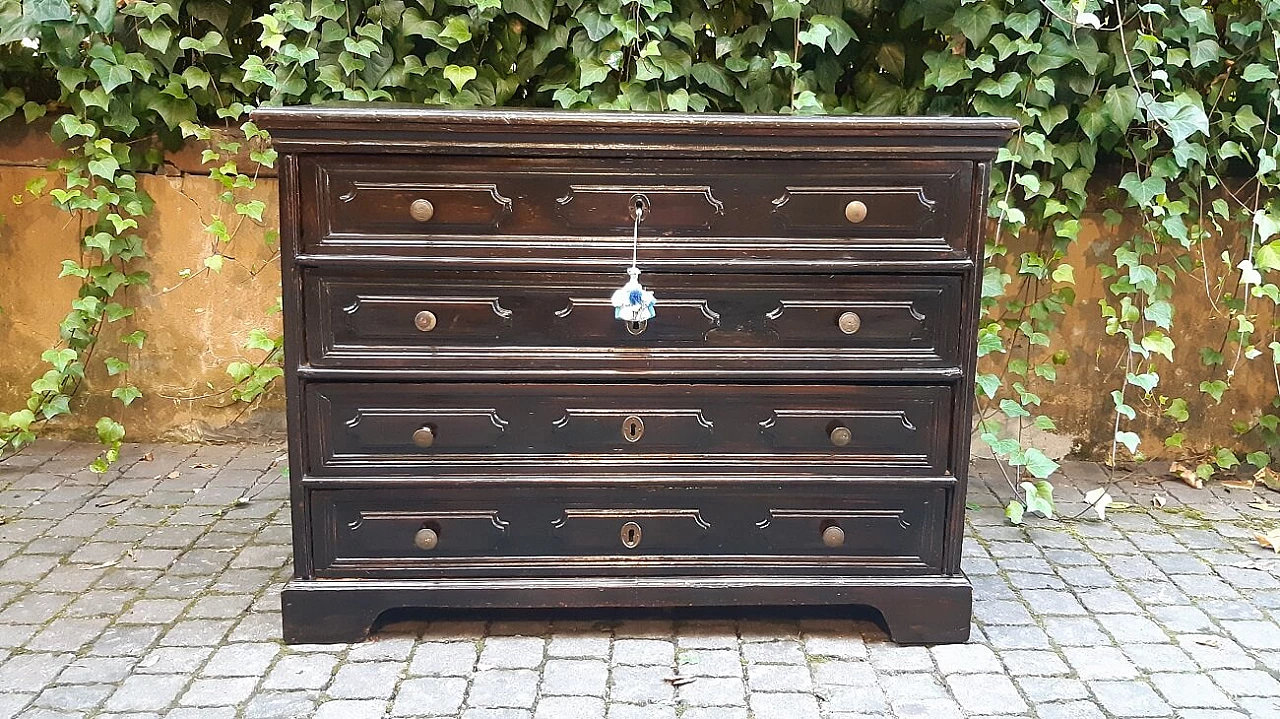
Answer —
(422, 210)
(425, 321)
(424, 437)
(833, 536)
(841, 436)
(855, 211)
(426, 539)
(849, 322)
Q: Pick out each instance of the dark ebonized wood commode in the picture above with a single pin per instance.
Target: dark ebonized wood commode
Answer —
(471, 427)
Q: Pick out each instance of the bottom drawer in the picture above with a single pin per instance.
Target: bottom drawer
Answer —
(549, 529)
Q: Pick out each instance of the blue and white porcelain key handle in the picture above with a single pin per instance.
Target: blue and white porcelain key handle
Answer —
(632, 302)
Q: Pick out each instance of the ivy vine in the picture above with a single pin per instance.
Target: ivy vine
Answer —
(1158, 117)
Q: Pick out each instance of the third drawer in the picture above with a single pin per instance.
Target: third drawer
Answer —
(473, 324)
(638, 430)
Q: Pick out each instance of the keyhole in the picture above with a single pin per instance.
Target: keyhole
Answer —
(639, 208)
(637, 327)
(632, 429)
(630, 535)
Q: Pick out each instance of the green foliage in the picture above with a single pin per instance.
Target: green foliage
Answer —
(1167, 107)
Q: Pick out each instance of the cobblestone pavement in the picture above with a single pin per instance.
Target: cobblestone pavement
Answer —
(152, 592)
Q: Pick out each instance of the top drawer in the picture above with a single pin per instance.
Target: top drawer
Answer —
(464, 210)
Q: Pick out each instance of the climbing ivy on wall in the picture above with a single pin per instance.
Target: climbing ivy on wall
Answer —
(1163, 112)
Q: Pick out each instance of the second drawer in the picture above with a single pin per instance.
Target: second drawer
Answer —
(469, 323)
(640, 429)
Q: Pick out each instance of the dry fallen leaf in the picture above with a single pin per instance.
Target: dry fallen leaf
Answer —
(203, 465)
(174, 474)
(1247, 483)
(1263, 505)
(1270, 540)
(1099, 499)
(678, 681)
(1269, 478)
(149, 456)
(1158, 501)
(1186, 474)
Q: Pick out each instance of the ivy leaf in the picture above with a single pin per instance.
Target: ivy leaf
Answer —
(1121, 104)
(126, 394)
(260, 340)
(240, 371)
(1064, 273)
(109, 430)
(838, 33)
(135, 338)
(115, 366)
(1177, 410)
(1204, 52)
(1003, 87)
(815, 35)
(254, 208)
(1129, 440)
(536, 11)
(1142, 192)
(157, 37)
(1160, 312)
(1014, 511)
(1257, 71)
(1098, 500)
(1160, 343)
(1146, 380)
(975, 20)
(1039, 496)
(1182, 117)
(988, 384)
(214, 262)
(1214, 388)
(1012, 409)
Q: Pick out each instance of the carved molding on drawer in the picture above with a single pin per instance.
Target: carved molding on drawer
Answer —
(491, 516)
(453, 204)
(605, 207)
(781, 414)
(836, 516)
(631, 513)
(456, 428)
(679, 316)
(492, 303)
(823, 207)
(783, 305)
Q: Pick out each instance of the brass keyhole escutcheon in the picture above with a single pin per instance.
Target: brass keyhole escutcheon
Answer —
(424, 437)
(630, 535)
(425, 321)
(632, 428)
(849, 322)
(841, 436)
(426, 539)
(637, 327)
(422, 210)
(855, 211)
(833, 536)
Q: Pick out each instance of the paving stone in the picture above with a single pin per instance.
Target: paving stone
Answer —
(648, 711)
(366, 680)
(784, 652)
(839, 673)
(1157, 657)
(281, 705)
(779, 678)
(74, 697)
(713, 691)
(97, 670)
(710, 662)
(241, 660)
(1190, 690)
(1070, 710)
(988, 693)
(784, 706)
(1247, 682)
(1132, 628)
(569, 708)
(219, 692)
(1215, 652)
(515, 652)
(443, 659)
(577, 646)
(640, 685)
(575, 677)
(25, 672)
(1255, 635)
(351, 709)
(965, 659)
(504, 688)
(1130, 699)
(432, 696)
(835, 645)
(146, 692)
(301, 671)
(644, 652)
(1049, 689)
(1034, 662)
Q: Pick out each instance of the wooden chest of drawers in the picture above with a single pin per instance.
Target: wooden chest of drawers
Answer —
(471, 427)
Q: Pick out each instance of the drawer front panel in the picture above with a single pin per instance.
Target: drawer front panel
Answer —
(635, 429)
(811, 527)
(455, 209)
(472, 322)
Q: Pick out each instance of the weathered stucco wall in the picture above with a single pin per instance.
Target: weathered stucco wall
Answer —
(195, 327)
(198, 326)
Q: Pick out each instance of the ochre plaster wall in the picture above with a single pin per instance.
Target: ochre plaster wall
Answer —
(195, 327)
(198, 326)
